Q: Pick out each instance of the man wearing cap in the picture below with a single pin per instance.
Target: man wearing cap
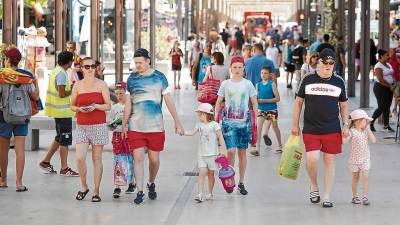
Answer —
(58, 107)
(237, 92)
(148, 88)
(7, 130)
(324, 96)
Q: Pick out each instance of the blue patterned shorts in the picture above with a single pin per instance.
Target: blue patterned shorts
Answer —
(236, 137)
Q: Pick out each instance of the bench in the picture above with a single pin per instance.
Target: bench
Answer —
(37, 123)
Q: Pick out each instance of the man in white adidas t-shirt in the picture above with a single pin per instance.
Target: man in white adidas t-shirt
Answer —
(324, 97)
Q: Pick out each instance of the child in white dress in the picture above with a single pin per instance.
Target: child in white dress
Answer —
(360, 136)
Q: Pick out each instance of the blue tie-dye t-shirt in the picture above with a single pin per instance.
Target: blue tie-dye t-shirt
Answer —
(146, 96)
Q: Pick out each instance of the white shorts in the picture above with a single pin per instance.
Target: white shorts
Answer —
(92, 134)
(359, 167)
(207, 162)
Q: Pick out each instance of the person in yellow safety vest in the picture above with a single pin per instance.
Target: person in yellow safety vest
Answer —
(58, 106)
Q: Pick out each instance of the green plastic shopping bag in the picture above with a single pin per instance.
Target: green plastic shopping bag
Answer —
(291, 158)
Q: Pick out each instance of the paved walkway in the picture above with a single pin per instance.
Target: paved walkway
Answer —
(271, 199)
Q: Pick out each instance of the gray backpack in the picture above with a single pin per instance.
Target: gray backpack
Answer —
(15, 104)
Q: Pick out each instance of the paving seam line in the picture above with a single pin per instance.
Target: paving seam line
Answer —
(180, 203)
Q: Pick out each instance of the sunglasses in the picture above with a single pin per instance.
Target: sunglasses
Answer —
(89, 66)
(330, 62)
(314, 56)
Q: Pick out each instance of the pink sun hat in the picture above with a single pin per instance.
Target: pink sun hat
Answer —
(205, 107)
(359, 114)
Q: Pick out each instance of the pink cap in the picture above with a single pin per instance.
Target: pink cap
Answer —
(237, 59)
(359, 114)
(205, 107)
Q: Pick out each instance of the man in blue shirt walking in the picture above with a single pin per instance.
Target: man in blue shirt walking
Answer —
(256, 63)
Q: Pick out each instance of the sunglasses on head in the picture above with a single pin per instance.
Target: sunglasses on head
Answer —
(89, 66)
(328, 62)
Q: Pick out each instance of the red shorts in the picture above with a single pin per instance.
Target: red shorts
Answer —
(327, 143)
(152, 141)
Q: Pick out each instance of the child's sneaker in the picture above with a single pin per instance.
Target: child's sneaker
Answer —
(199, 198)
(131, 189)
(117, 192)
(242, 189)
(209, 197)
(139, 198)
(152, 191)
(355, 200)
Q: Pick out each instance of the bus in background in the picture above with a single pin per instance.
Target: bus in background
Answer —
(256, 22)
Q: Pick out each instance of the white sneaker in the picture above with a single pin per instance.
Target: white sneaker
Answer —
(199, 198)
(209, 197)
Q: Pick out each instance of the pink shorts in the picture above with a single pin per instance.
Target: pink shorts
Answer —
(327, 143)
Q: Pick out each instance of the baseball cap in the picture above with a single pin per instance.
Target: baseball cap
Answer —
(14, 54)
(120, 85)
(359, 114)
(237, 59)
(141, 52)
(327, 54)
(205, 107)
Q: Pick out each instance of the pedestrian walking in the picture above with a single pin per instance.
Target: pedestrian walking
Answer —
(256, 63)
(217, 70)
(311, 64)
(237, 93)
(340, 57)
(359, 161)
(298, 58)
(90, 99)
(200, 65)
(211, 144)
(58, 107)
(176, 55)
(74, 73)
(148, 89)
(274, 53)
(116, 115)
(325, 44)
(324, 96)
(289, 66)
(268, 97)
(383, 90)
(17, 93)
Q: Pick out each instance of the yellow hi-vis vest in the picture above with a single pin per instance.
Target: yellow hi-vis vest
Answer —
(55, 106)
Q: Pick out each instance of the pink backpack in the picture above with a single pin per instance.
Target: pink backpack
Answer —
(226, 173)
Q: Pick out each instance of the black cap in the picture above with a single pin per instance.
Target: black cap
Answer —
(141, 52)
(327, 54)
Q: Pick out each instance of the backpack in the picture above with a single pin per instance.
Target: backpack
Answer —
(297, 56)
(15, 104)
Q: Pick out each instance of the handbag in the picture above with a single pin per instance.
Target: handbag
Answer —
(208, 90)
(120, 146)
(123, 169)
(291, 158)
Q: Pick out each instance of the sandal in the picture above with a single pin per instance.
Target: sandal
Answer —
(314, 197)
(96, 198)
(278, 151)
(81, 195)
(255, 153)
(327, 204)
(365, 201)
(355, 200)
(22, 189)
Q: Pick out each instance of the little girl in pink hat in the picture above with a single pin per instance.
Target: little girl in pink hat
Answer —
(360, 136)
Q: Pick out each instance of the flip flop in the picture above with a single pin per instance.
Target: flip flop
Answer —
(314, 197)
(267, 140)
(22, 189)
(81, 195)
(96, 198)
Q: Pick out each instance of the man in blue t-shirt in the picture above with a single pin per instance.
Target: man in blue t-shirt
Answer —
(324, 96)
(256, 63)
